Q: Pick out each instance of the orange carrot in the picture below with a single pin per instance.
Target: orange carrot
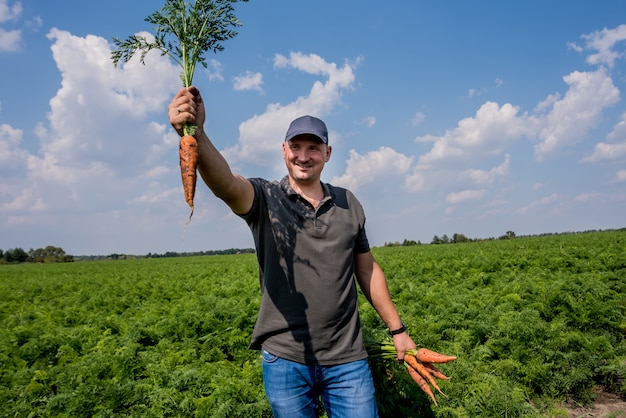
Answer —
(422, 370)
(421, 382)
(188, 153)
(427, 356)
(435, 371)
(411, 360)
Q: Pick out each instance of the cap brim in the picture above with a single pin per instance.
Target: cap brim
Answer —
(295, 134)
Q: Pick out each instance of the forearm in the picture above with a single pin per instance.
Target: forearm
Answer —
(213, 167)
(373, 283)
(374, 286)
(216, 173)
(380, 299)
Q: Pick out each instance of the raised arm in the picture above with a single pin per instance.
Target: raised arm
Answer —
(187, 107)
(373, 283)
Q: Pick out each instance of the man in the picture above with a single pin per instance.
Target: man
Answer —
(310, 242)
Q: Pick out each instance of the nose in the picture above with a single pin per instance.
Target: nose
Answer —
(302, 156)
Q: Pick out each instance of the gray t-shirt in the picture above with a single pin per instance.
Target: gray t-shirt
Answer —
(309, 307)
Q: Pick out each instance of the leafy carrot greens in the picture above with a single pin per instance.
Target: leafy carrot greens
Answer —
(184, 31)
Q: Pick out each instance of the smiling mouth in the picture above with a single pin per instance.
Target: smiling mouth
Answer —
(303, 166)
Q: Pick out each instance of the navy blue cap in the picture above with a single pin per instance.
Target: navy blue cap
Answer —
(308, 125)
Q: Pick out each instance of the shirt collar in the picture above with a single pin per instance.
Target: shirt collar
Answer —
(286, 186)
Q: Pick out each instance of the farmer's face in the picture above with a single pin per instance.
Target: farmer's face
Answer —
(305, 157)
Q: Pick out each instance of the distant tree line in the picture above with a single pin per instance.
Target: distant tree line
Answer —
(461, 238)
(50, 254)
(456, 239)
(167, 254)
(211, 252)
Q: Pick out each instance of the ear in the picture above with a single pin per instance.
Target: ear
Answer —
(329, 150)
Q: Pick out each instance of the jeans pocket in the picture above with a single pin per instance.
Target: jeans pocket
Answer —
(268, 357)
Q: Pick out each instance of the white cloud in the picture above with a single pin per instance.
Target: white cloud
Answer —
(491, 131)
(558, 122)
(248, 81)
(314, 64)
(614, 150)
(458, 197)
(10, 11)
(106, 100)
(604, 151)
(588, 197)
(17, 191)
(604, 42)
(383, 165)
(427, 138)
(35, 23)
(10, 40)
(369, 121)
(620, 176)
(571, 117)
(619, 131)
(415, 182)
(574, 46)
(418, 118)
(547, 103)
(12, 157)
(214, 70)
(546, 200)
(484, 177)
(98, 144)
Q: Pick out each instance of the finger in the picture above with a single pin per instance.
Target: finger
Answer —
(194, 91)
(174, 112)
(195, 95)
(187, 105)
(175, 107)
(179, 108)
(183, 108)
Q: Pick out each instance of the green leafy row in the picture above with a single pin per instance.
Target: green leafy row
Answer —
(535, 322)
(144, 338)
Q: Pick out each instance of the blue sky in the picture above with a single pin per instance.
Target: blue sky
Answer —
(463, 117)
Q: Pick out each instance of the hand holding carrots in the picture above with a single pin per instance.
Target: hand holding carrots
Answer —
(403, 344)
(420, 363)
(186, 112)
(186, 108)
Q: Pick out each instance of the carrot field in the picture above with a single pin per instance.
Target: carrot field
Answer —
(536, 323)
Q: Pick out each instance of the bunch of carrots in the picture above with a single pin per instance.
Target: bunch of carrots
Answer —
(420, 363)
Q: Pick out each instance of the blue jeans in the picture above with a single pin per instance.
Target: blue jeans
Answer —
(293, 389)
